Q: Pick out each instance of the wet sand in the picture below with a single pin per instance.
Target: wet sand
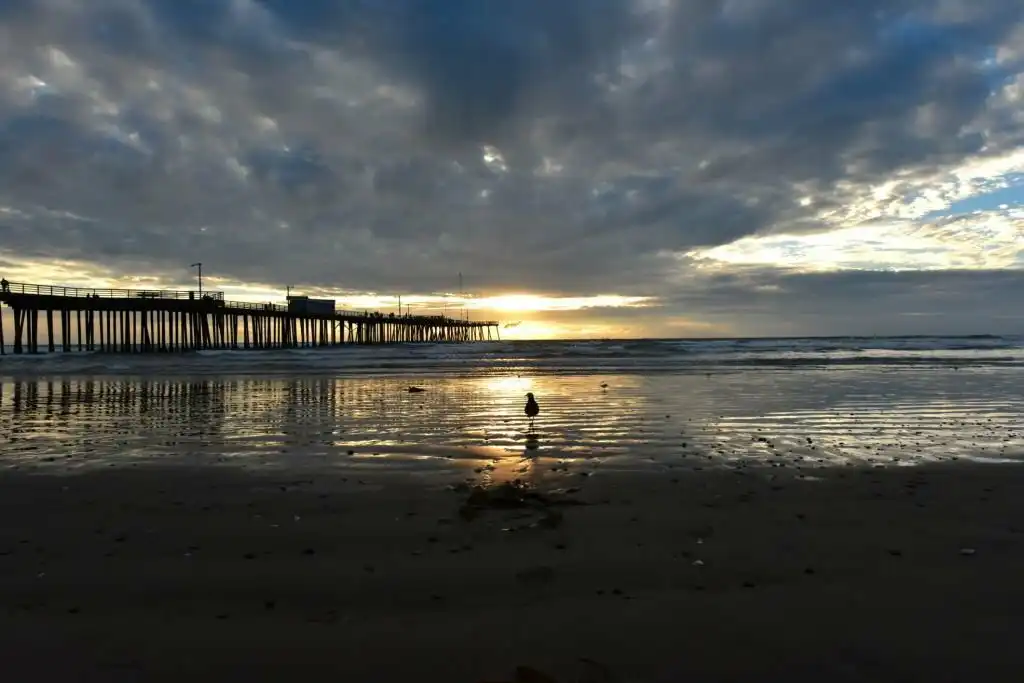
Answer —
(176, 572)
(815, 417)
(820, 525)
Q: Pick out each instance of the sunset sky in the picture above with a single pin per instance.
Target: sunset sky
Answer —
(593, 168)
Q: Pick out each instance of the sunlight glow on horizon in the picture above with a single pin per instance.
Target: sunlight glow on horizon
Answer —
(85, 276)
(515, 313)
(536, 302)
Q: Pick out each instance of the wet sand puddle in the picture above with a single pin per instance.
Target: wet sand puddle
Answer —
(775, 418)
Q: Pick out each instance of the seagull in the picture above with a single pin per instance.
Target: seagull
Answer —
(532, 409)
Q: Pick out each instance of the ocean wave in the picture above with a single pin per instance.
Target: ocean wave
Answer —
(680, 355)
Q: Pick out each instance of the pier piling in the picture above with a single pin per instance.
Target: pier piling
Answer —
(162, 321)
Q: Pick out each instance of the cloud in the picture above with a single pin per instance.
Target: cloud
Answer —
(979, 240)
(572, 148)
(760, 301)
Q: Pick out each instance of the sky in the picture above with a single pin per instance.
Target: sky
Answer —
(592, 168)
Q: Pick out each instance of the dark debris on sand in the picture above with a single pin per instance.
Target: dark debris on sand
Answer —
(515, 495)
(590, 672)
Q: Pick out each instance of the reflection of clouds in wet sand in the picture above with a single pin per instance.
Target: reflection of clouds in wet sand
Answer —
(806, 418)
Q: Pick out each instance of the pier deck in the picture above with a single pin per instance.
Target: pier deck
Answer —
(147, 321)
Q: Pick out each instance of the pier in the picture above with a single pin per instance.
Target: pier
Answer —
(151, 321)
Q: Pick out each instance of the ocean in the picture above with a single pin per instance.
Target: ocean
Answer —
(636, 404)
(547, 357)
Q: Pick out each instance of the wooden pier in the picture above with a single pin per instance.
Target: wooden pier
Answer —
(148, 321)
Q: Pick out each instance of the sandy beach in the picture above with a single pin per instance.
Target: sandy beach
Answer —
(757, 526)
(168, 573)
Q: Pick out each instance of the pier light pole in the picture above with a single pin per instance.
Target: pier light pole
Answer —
(200, 267)
(462, 298)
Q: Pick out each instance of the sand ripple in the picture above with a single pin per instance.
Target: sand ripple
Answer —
(808, 417)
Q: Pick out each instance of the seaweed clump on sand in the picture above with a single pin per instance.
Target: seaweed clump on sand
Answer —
(517, 495)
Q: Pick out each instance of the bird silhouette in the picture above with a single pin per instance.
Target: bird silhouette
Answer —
(532, 409)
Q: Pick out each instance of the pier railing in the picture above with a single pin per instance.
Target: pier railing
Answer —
(86, 292)
(258, 307)
(146, 320)
(191, 294)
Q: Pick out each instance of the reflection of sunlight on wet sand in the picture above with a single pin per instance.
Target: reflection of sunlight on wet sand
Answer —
(568, 406)
(808, 418)
(504, 385)
(500, 465)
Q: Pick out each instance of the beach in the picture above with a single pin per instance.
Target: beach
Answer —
(841, 523)
(169, 573)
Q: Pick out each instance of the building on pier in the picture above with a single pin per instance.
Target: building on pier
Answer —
(145, 321)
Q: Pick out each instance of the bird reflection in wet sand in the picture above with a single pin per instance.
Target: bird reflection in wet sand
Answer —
(532, 409)
(532, 442)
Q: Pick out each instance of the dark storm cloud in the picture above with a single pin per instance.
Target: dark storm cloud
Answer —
(761, 301)
(342, 143)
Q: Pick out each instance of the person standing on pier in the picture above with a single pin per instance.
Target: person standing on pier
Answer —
(5, 286)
